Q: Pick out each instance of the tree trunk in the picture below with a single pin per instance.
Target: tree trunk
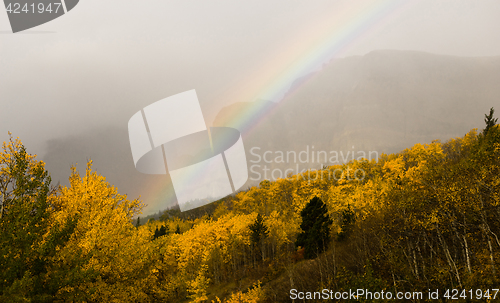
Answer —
(451, 263)
(467, 254)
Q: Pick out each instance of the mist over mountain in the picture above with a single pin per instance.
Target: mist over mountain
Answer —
(384, 101)
(109, 150)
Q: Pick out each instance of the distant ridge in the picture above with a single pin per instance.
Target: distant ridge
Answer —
(386, 100)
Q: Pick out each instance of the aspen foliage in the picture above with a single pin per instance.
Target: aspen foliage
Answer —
(253, 295)
(104, 241)
(426, 217)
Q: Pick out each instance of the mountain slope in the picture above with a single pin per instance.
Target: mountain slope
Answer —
(383, 101)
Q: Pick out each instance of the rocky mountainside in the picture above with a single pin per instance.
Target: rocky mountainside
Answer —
(384, 101)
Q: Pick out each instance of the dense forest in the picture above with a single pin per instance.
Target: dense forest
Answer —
(426, 218)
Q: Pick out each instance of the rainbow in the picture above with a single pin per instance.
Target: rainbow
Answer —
(331, 36)
(344, 27)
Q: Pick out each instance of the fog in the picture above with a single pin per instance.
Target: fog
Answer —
(69, 87)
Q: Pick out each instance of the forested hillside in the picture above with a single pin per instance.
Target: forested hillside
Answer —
(425, 218)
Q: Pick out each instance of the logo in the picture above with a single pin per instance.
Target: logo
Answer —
(28, 14)
(170, 137)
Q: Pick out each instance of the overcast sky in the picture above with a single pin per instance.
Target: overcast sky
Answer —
(105, 60)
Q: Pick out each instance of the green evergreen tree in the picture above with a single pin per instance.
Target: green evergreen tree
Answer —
(138, 222)
(490, 121)
(163, 230)
(316, 222)
(258, 229)
(258, 232)
(160, 232)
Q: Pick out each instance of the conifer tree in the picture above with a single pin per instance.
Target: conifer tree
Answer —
(163, 231)
(315, 226)
(258, 232)
(160, 232)
(489, 120)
